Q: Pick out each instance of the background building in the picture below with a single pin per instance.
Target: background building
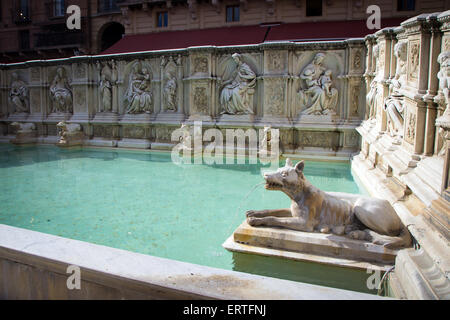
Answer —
(32, 29)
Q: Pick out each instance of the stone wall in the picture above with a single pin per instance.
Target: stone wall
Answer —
(313, 92)
(405, 142)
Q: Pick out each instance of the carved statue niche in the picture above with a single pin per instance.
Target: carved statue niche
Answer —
(107, 86)
(170, 86)
(61, 92)
(317, 93)
(18, 95)
(371, 96)
(443, 98)
(238, 87)
(394, 103)
(139, 96)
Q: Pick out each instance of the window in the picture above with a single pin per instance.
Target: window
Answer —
(58, 8)
(232, 13)
(107, 5)
(24, 37)
(23, 9)
(162, 19)
(406, 5)
(313, 8)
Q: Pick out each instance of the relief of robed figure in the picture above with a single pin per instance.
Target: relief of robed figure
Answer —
(237, 91)
(318, 95)
(18, 95)
(60, 92)
(138, 96)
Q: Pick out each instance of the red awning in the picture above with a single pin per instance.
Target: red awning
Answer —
(228, 36)
(189, 38)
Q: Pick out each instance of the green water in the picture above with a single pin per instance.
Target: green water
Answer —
(142, 202)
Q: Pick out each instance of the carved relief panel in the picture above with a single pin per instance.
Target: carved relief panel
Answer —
(410, 126)
(317, 89)
(170, 83)
(61, 91)
(139, 94)
(413, 61)
(275, 61)
(274, 96)
(18, 93)
(200, 100)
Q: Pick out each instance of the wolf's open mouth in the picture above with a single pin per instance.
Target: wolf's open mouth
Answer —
(273, 185)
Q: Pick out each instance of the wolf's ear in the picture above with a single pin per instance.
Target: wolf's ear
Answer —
(288, 162)
(299, 166)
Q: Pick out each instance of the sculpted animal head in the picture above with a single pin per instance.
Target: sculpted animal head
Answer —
(289, 179)
(62, 125)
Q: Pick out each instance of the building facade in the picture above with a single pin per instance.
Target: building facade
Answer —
(32, 29)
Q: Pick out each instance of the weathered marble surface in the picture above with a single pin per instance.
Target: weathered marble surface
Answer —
(108, 273)
(225, 87)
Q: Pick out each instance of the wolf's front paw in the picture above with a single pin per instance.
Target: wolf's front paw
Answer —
(254, 221)
(252, 213)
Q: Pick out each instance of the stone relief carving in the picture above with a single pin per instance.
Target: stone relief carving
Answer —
(61, 92)
(414, 52)
(201, 100)
(313, 210)
(80, 97)
(371, 96)
(357, 59)
(236, 93)
(443, 99)
(275, 61)
(139, 96)
(107, 86)
(35, 74)
(319, 96)
(274, 96)
(315, 138)
(200, 65)
(381, 56)
(135, 132)
(410, 132)
(169, 85)
(354, 93)
(19, 95)
(80, 70)
(443, 96)
(394, 104)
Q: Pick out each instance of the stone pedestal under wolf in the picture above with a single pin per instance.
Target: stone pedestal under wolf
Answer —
(313, 210)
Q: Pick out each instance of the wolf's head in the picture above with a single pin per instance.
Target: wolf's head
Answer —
(289, 179)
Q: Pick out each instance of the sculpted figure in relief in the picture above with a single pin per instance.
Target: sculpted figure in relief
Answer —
(60, 92)
(443, 99)
(237, 91)
(170, 92)
(371, 96)
(319, 96)
(394, 103)
(105, 91)
(138, 95)
(18, 95)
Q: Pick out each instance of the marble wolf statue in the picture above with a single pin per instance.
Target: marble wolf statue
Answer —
(355, 216)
